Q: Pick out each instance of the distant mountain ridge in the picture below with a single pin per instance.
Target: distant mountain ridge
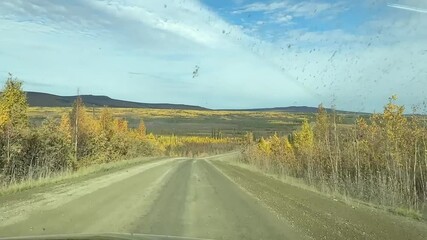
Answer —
(292, 109)
(39, 99)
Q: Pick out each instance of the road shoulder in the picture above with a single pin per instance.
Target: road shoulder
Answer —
(18, 206)
(319, 216)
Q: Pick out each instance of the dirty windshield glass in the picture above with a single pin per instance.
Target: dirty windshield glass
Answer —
(206, 119)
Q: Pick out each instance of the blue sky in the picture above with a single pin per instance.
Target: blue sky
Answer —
(352, 54)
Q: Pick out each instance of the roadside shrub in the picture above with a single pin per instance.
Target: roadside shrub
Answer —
(380, 159)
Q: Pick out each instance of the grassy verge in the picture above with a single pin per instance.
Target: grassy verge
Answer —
(325, 191)
(71, 176)
(407, 213)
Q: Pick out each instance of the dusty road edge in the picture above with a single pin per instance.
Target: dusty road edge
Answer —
(79, 175)
(19, 209)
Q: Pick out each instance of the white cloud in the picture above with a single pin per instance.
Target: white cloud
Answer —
(295, 9)
(310, 9)
(94, 46)
(262, 7)
(283, 18)
(162, 18)
(287, 13)
(97, 45)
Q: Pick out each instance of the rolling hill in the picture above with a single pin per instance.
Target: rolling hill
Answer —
(295, 109)
(38, 99)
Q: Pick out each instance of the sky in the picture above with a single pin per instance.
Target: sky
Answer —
(221, 54)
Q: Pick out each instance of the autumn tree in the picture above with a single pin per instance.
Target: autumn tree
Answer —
(54, 151)
(142, 130)
(13, 124)
(104, 133)
(276, 149)
(327, 148)
(249, 138)
(121, 139)
(289, 160)
(304, 146)
(82, 126)
(106, 122)
(322, 137)
(65, 128)
(381, 158)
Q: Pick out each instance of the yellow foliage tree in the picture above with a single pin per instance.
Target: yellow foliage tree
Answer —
(276, 149)
(304, 138)
(289, 155)
(304, 145)
(106, 123)
(120, 126)
(65, 127)
(142, 130)
(13, 105)
(264, 147)
(13, 120)
(83, 129)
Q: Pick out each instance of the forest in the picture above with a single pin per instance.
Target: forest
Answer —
(381, 159)
(79, 139)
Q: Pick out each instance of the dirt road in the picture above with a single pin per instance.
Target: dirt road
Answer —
(195, 198)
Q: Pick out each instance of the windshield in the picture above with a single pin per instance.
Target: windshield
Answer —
(239, 119)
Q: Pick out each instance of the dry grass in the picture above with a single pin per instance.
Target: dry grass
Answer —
(381, 160)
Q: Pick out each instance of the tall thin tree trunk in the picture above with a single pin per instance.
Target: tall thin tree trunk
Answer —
(415, 178)
(76, 130)
(337, 153)
(8, 146)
